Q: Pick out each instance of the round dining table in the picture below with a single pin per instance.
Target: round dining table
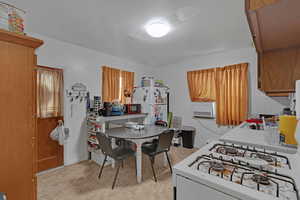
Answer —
(148, 133)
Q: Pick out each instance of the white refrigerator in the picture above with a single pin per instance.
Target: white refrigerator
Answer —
(154, 101)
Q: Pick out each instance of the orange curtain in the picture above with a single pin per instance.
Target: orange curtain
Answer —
(127, 84)
(50, 86)
(110, 84)
(232, 94)
(202, 85)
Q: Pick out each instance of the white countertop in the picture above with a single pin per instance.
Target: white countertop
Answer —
(258, 138)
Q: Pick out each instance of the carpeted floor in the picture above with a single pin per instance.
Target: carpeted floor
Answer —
(80, 182)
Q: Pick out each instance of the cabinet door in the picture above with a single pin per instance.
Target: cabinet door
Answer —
(296, 74)
(256, 4)
(17, 122)
(277, 70)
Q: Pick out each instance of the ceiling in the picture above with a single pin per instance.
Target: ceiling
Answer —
(116, 26)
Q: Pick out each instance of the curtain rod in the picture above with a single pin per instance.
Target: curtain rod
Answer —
(48, 68)
(10, 5)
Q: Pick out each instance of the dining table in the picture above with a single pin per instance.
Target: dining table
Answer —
(137, 136)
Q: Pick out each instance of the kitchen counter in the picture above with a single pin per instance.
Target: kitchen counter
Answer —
(259, 138)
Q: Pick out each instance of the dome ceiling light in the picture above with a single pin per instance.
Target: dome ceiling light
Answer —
(158, 28)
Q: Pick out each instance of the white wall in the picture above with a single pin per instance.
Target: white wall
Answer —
(175, 77)
(83, 65)
(80, 65)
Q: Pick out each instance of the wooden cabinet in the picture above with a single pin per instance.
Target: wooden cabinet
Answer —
(275, 28)
(17, 116)
(279, 69)
(256, 4)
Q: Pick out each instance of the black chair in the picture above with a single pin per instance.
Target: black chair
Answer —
(119, 154)
(162, 145)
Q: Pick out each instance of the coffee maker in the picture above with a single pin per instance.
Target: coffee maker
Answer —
(107, 109)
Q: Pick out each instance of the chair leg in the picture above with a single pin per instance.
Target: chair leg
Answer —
(152, 163)
(100, 173)
(115, 179)
(169, 162)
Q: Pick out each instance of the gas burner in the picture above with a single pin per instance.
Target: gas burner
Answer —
(217, 166)
(273, 158)
(227, 151)
(265, 157)
(261, 179)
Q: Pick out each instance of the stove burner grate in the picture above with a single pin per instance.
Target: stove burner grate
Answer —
(259, 176)
(265, 157)
(227, 151)
(261, 179)
(217, 166)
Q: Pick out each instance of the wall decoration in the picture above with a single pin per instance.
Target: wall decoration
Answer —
(77, 94)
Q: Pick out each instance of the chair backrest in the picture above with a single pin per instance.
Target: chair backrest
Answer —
(165, 140)
(104, 144)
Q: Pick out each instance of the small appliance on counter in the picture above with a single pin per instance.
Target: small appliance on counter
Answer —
(133, 108)
(117, 109)
(107, 109)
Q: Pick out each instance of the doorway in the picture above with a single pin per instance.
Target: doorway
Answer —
(50, 110)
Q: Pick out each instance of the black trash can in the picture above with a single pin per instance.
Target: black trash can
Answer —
(188, 136)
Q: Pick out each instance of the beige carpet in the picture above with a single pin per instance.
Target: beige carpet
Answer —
(80, 182)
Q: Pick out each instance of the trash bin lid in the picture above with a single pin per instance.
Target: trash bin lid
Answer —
(188, 128)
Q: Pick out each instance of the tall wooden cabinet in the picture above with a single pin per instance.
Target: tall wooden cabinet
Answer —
(18, 116)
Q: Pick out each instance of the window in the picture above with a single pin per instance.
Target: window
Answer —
(227, 86)
(116, 84)
(49, 92)
(202, 85)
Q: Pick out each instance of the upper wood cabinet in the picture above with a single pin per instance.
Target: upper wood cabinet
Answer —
(256, 4)
(279, 69)
(18, 116)
(275, 28)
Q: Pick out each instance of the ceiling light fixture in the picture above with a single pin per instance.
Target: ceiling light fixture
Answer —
(157, 28)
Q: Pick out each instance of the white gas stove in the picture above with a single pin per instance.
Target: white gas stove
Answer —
(227, 171)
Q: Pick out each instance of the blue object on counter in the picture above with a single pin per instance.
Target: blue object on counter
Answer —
(116, 113)
(117, 110)
(2, 196)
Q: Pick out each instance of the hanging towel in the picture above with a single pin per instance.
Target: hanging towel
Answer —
(60, 134)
